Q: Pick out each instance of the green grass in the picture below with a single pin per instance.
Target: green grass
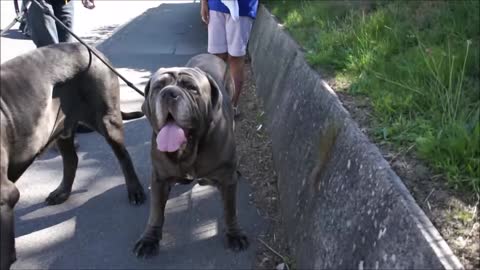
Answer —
(464, 216)
(417, 61)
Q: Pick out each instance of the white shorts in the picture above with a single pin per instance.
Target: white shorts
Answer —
(226, 35)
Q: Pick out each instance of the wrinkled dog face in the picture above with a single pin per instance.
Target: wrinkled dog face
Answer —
(178, 104)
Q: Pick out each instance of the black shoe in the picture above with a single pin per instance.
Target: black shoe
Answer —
(83, 129)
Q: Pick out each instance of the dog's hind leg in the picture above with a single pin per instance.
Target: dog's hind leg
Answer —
(113, 132)
(9, 196)
(70, 162)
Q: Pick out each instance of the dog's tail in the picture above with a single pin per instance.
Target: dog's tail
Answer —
(131, 115)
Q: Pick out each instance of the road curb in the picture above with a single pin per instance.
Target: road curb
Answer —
(341, 203)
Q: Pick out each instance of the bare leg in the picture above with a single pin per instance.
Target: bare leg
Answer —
(224, 56)
(236, 65)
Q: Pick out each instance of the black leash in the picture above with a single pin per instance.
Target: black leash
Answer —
(47, 11)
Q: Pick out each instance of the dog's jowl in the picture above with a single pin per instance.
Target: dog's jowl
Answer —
(44, 95)
(191, 116)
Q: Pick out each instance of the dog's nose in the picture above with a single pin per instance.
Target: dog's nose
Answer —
(170, 94)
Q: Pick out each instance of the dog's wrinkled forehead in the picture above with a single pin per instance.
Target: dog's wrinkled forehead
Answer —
(178, 75)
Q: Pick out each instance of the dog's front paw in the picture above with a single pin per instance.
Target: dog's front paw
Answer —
(136, 196)
(57, 196)
(145, 248)
(237, 241)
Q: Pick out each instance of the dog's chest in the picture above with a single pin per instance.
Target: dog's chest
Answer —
(191, 174)
(189, 179)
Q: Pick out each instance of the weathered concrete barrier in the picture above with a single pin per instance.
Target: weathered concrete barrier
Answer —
(342, 205)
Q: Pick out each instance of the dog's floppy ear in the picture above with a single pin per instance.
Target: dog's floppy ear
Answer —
(145, 106)
(215, 94)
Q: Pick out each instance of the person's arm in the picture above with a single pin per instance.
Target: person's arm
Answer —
(90, 4)
(204, 11)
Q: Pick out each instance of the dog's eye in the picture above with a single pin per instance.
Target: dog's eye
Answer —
(191, 87)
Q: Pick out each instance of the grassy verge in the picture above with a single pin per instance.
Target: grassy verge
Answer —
(417, 61)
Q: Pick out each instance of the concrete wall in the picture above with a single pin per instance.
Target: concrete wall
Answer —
(342, 205)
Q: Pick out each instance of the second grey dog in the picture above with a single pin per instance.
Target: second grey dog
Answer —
(193, 138)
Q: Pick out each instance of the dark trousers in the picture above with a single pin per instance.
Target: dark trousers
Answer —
(44, 29)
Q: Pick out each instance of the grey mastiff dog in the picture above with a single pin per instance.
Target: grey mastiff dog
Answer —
(44, 95)
(193, 140)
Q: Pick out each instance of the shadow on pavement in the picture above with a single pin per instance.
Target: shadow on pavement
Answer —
(99, 34)
(15, 34)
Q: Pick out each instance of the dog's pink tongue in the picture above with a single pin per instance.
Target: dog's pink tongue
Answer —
(170, 138)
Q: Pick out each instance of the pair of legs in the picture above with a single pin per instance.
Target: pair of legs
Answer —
(228, 39)
(44, 29)
(236, 66)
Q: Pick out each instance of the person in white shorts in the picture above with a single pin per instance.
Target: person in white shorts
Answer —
(228, 35)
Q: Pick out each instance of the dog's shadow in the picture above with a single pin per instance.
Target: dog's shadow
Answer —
(97, 227)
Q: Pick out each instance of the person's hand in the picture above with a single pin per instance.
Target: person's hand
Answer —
(90, 4)
(204, 11)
